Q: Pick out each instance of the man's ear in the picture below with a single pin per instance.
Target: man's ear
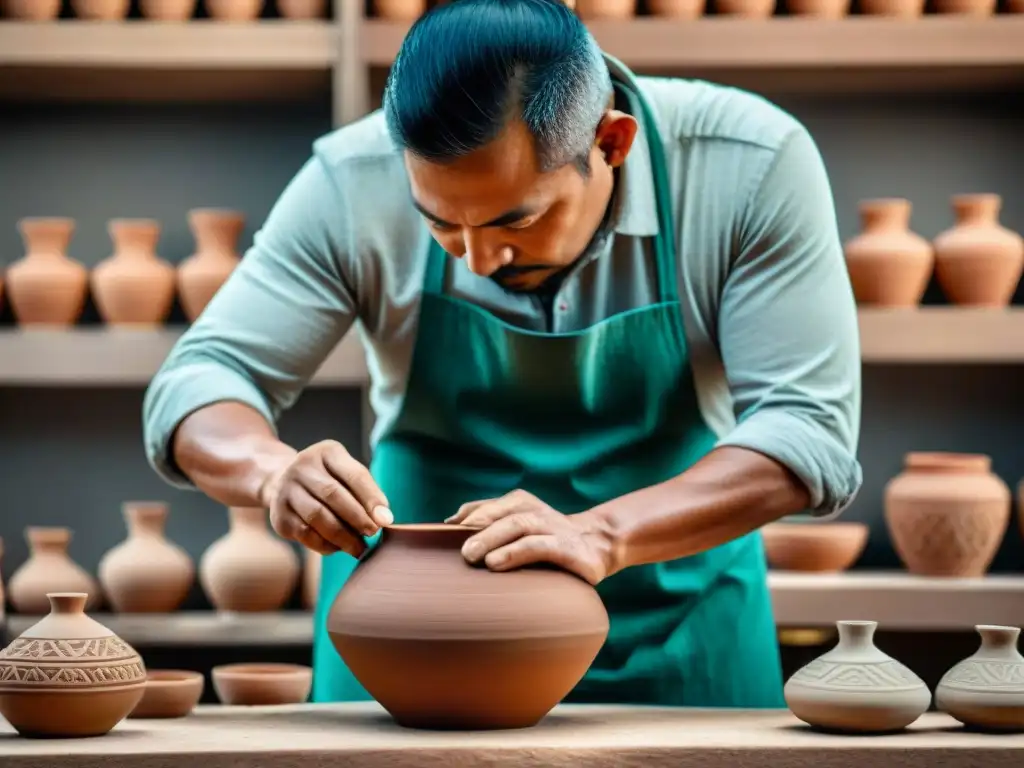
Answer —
(615, 135)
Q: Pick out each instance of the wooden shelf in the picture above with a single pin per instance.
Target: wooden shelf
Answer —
(942, 335)
(114, 357)
(198, 60)
(792, 53)
(897, 601)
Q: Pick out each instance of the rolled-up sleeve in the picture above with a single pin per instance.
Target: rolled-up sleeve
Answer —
(269, 327)
(788, 330)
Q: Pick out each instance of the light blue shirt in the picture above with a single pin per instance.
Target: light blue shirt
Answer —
(769, 313)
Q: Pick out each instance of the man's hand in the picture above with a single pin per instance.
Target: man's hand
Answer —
(326, 500)
(519, 529)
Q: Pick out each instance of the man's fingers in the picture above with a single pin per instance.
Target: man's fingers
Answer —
(500, 533)
(337, 499)
(320, 518)
(357, 479)
(527, 550)
(289, 525)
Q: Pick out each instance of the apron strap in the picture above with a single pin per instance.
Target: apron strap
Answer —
(437, 262)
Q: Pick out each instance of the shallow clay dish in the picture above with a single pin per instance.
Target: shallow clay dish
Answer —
(169, 693)
(251, 685)
(820, 547)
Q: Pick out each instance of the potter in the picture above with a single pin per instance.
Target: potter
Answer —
(608, 323)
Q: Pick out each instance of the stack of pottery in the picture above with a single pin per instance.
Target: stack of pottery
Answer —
(947, 513)
(49, 568)
(68, 675)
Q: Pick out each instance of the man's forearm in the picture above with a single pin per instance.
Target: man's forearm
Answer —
(229, 451)
(725, 495)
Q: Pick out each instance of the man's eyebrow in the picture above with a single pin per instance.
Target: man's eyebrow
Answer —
(509, 217)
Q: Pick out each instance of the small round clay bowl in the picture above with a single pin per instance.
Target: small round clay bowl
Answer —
(252, 685)
(169, 693)
(818, 547)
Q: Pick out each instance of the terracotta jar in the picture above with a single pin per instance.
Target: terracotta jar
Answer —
(233, 10)
(134, 286)
(49, 568)
(146, 573)
(30, 10)
(855, 688)
(947, 513)
(101, 10)
(302, 9)
(979, 262)
(985, 691)
(889, 265)
(167, 10)
(442, 644)
(822, 9)
(817, 547)
(1014, 6)
(899, 9)
(201, 275)
(605, 9)
(677, 9)
(747, 9)
(46, 287)
(68, 676)
(966, 7)
(399, 10)
(249, 569)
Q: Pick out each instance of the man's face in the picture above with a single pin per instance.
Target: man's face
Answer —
(510, 221)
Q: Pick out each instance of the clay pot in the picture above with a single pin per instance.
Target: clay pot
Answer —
(1014, 6)
(45, 287)
(146, 573)
(822, 9)
(399, 10)
(978, 262)
(302, 9)
(442, 644)
(133, 286)
(249, 569)
(747, 9)
(68, 676)
(169, 693)
(966, 7)
(311, 579)
(855, 688)
(947, 513)
(233, 10)
(167, 10)
(889, 265)
(49, 568)
(201, 275)
(254, 685)
(30, 10)
(900, 9)
(677, 9)
(605, 9)
(985, 691)
(101, 10)
(820, 547)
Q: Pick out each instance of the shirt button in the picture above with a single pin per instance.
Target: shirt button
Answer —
(563, 307)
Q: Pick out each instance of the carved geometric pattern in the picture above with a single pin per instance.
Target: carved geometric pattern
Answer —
(886, 675)
(1007, 676)
(41, 663)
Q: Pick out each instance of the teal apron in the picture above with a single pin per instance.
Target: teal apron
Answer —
(578, 419)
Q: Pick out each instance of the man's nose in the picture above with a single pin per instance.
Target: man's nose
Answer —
(483, 256)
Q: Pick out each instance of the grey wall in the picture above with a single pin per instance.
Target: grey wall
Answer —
(70, 457)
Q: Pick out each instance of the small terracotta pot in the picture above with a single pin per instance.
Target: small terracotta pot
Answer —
(30, 10)
(900, 9)
(747, 9)
(821, 9)
(399, 10)
(169, 693)
(233, 10)
(677, 9)
(201, 275)
(133, 286)
(167, 10)
(605, 9)
(46, 287)
(1014, 6)
(966, 7)
(252, 685)
(302, 9)
(979, 262)
(818, 547)
(49, 569)
(101, 10)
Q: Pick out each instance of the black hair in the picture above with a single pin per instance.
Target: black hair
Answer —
(468, 68)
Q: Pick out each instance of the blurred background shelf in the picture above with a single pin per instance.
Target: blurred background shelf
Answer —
(199, 60)
(942, 335)
(867, 54)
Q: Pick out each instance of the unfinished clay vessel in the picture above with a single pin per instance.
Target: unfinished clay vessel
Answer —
(201, 275)
(899, 9)
(820, 547)
(748, 9)
(822, 9)
(30, 10)
(855, 688)
(233, 10)
(979, 262)
(134, 286)
(261, 685)
(302, 9)
(966, 7)
(46, 287)
(249, 569)
(399, 10)
(49, 568)
(146, 573)
(101, 10)
(167, 10)
(442, 644)
(889, 265)
(677, 9)
(169, 693)
(68, 675)
(947, 513)
(605, 9)
(985, 691)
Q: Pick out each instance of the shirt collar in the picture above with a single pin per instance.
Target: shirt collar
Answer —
(635, 211)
